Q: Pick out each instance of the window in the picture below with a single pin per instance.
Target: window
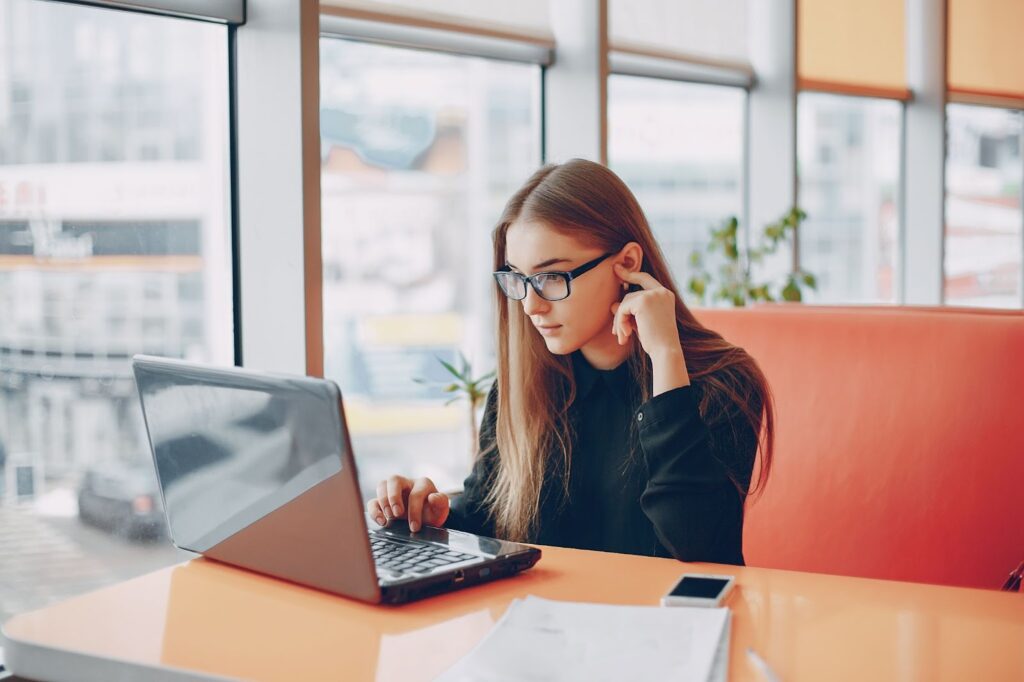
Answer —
(679, 147)
(114, 212)
(984, 172)
(848, 165)
(420, 152)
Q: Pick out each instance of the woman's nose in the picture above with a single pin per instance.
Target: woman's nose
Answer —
(533, 303)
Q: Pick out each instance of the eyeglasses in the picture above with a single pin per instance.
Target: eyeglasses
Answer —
(551, 286)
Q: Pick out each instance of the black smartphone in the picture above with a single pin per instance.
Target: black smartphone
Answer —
(699, 590)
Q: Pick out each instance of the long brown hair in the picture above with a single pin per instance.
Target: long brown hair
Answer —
(589, 202)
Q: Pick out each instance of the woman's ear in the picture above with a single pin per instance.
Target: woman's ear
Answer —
(631, 257)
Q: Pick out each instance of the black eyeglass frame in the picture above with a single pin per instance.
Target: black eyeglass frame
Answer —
(568, 276)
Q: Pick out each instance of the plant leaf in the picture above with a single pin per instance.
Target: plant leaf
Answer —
(791, 292)
(448, 366)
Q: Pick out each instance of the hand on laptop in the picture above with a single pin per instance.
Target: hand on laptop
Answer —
(416, 499)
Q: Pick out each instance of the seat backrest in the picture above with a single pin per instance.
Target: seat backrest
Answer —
(899, 441)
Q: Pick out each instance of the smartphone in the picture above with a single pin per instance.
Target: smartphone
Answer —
(695, 589)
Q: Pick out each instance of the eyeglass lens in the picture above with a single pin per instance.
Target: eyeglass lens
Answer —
(550, 286)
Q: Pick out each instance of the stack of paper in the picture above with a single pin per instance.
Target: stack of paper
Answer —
(544, 640)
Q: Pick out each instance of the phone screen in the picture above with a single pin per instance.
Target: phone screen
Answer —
(707, 588)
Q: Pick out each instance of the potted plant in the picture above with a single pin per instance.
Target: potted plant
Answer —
(465, 387)
(734, 282)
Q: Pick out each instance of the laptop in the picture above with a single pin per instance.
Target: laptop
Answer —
(256, 470)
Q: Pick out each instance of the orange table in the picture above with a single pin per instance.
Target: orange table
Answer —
(205, 618)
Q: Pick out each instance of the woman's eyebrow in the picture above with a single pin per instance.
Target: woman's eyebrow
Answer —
(543, 264)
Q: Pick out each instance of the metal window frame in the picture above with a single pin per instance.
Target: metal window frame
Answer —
(922, 277)
(236, 254)
(230, 12)
(276, 134)
(771, 132)
(575, 112)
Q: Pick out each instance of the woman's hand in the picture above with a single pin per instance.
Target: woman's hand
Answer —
(416, 499)
(651, 314)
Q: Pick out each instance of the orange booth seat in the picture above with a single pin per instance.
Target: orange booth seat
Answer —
(899, 441)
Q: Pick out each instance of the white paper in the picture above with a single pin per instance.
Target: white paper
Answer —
(542, 640)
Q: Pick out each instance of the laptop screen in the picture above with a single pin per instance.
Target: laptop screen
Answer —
(231, 447)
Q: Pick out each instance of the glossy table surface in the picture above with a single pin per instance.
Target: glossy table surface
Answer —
(208, 618)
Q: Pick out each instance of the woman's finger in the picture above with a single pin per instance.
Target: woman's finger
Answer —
(615, 318)
(620, 324)
(382, 499)
(374, 510)
(436, 509)
(642, 278)
(396, 489)
(421, 487)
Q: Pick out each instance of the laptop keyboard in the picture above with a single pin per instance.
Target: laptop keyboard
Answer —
(412, 557)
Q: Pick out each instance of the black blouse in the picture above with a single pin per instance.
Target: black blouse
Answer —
(651, 479)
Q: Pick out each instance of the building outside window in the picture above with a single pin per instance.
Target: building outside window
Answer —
(420, 151)
(984, 174)
(679, 147)
(114, 240)
(848, 165)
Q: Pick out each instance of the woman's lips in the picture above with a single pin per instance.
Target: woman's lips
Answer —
(548, 330)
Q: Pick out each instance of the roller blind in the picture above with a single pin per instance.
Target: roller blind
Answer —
(219, 11)
(516, 19)
(704, 31)
(852, 46)
(985, 58)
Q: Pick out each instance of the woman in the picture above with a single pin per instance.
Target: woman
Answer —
(617, 422)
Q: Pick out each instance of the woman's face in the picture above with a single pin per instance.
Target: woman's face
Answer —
(584, 319)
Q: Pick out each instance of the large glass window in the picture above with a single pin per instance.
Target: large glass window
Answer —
(848, 163)
(114, 240)
(679, 147)
(984, 173)
(420, 151)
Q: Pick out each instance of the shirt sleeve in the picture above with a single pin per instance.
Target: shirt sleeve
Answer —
(468, 512)
(690, 496)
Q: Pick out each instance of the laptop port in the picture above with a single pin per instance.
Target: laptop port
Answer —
(460, 575)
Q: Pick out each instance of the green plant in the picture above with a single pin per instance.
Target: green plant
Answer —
(734, 282)
(474, 391)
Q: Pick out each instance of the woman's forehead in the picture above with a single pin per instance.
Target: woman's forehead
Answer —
(529, 242)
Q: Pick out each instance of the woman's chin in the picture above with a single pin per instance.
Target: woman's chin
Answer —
(557, 346)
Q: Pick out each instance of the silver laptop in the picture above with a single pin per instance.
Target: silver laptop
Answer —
(256, 470)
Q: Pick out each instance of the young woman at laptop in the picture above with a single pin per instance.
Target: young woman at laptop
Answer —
(617, 421)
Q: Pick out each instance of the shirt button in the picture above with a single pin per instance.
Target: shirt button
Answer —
(640, 417)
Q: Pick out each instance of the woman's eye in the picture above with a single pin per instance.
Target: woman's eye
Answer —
(549, 280)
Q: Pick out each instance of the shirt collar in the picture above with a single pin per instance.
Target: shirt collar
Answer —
(587, 376)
